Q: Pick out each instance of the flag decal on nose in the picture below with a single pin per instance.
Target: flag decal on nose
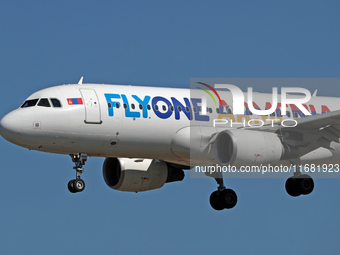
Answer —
(74, 101)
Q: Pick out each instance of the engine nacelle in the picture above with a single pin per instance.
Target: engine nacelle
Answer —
(137, 175)
(247, 148)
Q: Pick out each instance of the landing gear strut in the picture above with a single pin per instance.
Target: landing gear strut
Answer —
(77, 185)
(299, 184)
(222, 198)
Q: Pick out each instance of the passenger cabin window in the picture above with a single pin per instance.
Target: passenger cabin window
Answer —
(29, 103)
(55, 102)
(44, 102)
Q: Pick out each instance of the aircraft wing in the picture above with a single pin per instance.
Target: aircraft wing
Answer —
(318, 121)
(310, 132)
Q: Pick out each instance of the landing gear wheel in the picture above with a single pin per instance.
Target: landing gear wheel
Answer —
(215, 202)
(292, 187)
(228, 198)
(70, 186)
(305, 184)
(224, 199)
(78, 185)
(301, 185)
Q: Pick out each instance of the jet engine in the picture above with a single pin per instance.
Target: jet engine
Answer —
(247, 147)
(135, 175)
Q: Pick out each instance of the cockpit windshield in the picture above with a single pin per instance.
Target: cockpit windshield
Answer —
(44, 102)
(55, 102)
(29, 103)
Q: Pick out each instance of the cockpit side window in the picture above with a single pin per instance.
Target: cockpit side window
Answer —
(55, 102)
(29, 103)
(44, 102)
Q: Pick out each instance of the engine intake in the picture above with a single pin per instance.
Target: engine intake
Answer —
(137, 175)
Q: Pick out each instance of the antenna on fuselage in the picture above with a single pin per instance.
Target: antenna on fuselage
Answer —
(314, 94)
(81, 80)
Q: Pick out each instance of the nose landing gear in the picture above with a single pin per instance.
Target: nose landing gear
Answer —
(78, 184)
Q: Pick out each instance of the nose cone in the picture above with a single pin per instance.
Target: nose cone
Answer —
(11, 127)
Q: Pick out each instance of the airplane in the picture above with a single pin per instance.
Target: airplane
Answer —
(149, 135)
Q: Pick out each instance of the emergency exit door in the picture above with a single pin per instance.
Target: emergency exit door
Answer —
(92, 107)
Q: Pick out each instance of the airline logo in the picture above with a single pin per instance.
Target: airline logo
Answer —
(74, 101)
(136, 106)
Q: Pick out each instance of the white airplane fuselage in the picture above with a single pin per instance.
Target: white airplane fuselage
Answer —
(96, 126)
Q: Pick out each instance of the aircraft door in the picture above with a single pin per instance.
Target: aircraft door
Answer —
(92, 107)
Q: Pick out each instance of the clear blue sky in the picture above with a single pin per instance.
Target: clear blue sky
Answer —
(159, 43)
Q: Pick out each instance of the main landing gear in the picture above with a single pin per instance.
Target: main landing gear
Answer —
(222, 198)
(299, 184)
(77, 185)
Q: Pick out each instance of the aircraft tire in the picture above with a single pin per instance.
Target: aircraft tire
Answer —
(215, 201)
(305, 184)
(70, 186)
(292, 187)
(228, 198)
(78, 185)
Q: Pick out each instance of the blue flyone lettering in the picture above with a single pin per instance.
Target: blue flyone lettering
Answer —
(161, 115)
(144, 103)
(176, 106)
(177, 103)
(109, 98)
(198, 117)
(128, 113)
